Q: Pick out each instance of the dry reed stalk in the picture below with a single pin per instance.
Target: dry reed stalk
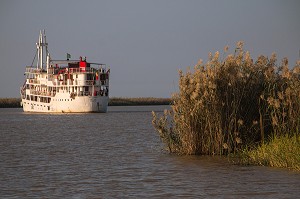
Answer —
(225, 105)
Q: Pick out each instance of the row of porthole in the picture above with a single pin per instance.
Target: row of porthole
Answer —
(62, 100)
(35, 104)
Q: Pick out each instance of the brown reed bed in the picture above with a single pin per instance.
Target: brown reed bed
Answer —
(230, 104)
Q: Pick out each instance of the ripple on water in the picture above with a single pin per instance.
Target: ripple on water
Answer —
(118, 155)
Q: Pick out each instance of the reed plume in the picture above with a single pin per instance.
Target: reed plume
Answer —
(228, 104)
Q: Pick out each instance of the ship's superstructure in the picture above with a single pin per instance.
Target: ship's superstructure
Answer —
(64, 85)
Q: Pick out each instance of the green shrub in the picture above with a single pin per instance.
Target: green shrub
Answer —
(281, 151)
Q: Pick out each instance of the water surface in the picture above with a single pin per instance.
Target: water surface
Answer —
(118, 155)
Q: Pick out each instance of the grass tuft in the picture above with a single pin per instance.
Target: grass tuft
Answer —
(283, 151)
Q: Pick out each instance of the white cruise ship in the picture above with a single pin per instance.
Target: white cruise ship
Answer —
(64, 86)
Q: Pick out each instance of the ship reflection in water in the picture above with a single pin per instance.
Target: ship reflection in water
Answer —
(118, 155)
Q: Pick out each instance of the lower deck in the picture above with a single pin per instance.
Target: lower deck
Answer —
(63, 103)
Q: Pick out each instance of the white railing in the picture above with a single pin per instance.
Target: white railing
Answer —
(34, 70)
(42, 93)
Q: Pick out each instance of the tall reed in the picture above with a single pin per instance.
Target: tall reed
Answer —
(231, 103)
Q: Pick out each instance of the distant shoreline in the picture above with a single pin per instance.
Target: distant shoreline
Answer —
(139, 101)
(114, 101)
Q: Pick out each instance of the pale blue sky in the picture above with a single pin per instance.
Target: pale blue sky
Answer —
(144, 42)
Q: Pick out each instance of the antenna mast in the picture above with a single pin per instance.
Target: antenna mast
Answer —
(41, 44)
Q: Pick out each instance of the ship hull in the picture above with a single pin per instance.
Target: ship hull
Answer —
(82, 104)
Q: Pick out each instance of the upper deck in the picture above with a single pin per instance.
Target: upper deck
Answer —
(67, 66)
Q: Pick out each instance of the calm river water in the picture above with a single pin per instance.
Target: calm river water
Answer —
(118, 155)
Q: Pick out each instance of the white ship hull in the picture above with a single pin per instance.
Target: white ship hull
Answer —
(82, 104)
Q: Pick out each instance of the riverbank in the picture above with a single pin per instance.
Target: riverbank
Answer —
(139, 101)
(114, 101)
(10, 103)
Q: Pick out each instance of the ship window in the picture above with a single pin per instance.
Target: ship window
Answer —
(89, 77)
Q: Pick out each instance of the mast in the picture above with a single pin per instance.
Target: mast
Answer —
(41, 44)
(48, 61)
(38, 46)
(46, 44)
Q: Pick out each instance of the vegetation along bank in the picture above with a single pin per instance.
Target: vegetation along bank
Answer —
(239, 106)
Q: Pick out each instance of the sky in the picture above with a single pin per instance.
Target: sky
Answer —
(144, 42)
